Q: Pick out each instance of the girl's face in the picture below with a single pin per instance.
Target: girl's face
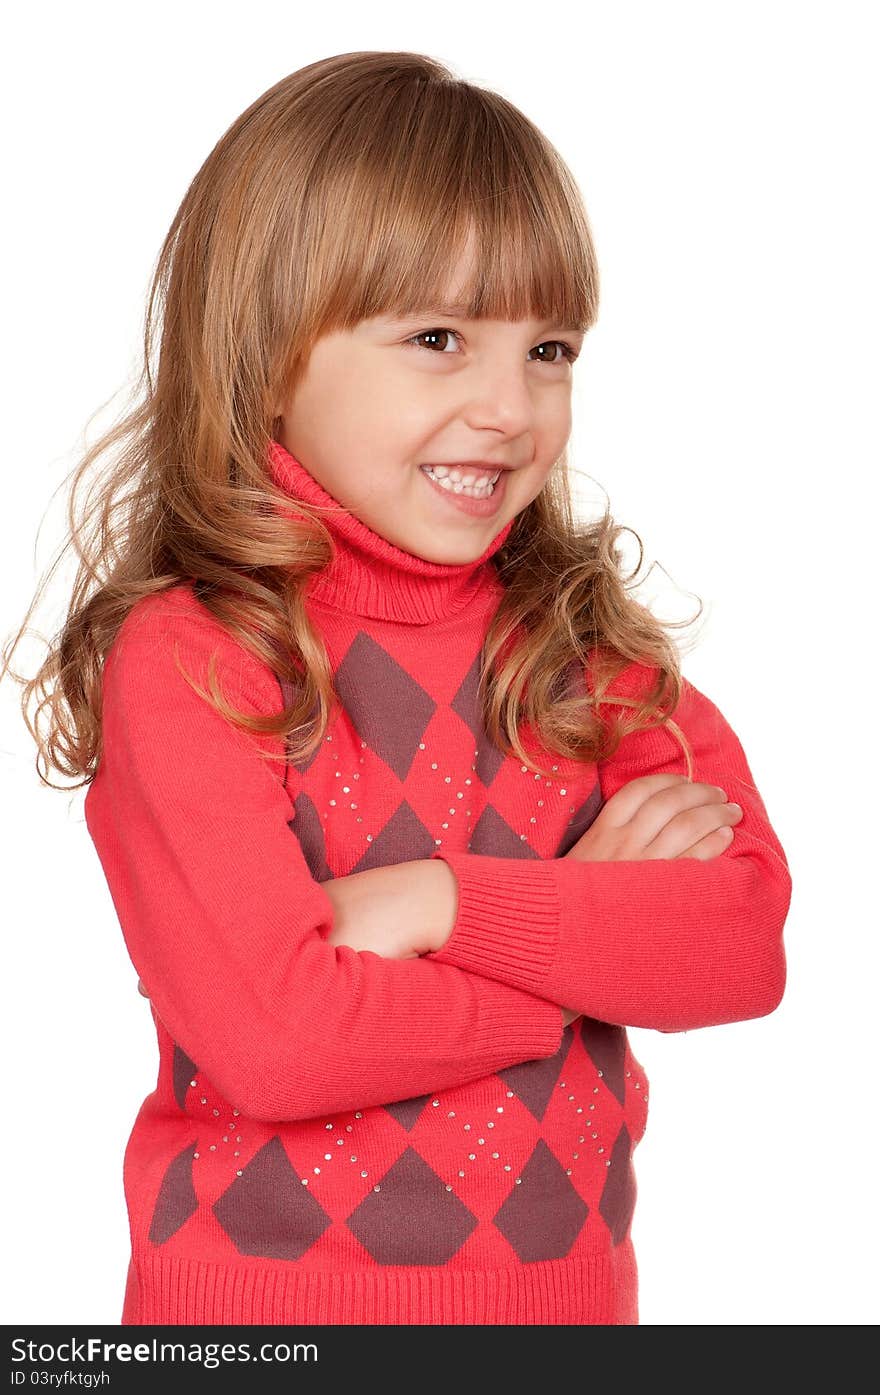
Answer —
(378, 401)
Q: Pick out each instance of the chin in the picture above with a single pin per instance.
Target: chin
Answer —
(453, 555)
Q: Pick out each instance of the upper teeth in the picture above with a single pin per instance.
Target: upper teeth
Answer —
(464, 476)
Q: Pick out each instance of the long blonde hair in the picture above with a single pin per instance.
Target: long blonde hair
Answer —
(340, 194)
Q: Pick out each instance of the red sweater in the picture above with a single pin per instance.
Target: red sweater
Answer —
(336, 1137)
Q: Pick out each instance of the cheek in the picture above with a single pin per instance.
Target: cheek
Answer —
(556, 417)
(551, 437)
(373, 406)
(413, 416)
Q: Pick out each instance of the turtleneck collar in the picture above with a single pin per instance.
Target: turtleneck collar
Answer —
(372, 577)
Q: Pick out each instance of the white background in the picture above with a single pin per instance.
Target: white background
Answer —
(726, 400)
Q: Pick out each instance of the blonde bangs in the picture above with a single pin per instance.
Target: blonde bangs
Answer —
(425, 168)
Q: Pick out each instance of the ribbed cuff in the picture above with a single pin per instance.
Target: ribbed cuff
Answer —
(507, 925)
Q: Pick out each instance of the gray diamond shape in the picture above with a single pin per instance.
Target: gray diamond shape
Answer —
(581, 820)
(493, 837)
(388, 708)
(543, 1216)
(287, 692)
(406, 1112)
(306, 826)
(412, 1219)
(466, 705)
(404, 838)
(619, 1193)
(532, 1081)
(267, 1211)
(182, 1072)
(605, 1044)
(177, 1198)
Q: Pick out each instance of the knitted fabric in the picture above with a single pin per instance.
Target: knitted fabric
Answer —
(338, 1137)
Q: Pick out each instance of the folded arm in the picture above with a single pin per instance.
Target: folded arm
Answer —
(225, 924)
(668, 944)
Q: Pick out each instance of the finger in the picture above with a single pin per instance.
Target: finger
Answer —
(666, 806)
(691, 826)
(713, 845)
(625, 802)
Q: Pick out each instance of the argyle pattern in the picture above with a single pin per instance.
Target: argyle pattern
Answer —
(338, 1137)
(534, 1162)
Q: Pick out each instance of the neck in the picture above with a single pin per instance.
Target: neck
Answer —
(372, 577)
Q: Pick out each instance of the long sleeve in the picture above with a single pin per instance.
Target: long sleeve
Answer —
(225, 924)
(669, 944)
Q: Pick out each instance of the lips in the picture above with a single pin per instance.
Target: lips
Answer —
(480, 505)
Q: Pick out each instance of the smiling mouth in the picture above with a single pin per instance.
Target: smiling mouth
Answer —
(475, 484)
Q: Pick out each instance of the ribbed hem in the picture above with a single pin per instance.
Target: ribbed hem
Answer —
(507, 925)
(597, 1290)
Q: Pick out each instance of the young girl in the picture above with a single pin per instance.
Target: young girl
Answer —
(404, 805)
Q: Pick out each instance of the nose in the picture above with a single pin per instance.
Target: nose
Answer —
(500, 397)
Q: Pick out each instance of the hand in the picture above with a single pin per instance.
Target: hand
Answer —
(660, 816)
(400, 911)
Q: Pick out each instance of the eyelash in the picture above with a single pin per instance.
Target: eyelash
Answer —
(570, 353)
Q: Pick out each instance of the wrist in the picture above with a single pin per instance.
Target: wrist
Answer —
(440, 903)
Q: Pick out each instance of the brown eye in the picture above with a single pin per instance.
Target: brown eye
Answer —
(430, 334)
(567, 353)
